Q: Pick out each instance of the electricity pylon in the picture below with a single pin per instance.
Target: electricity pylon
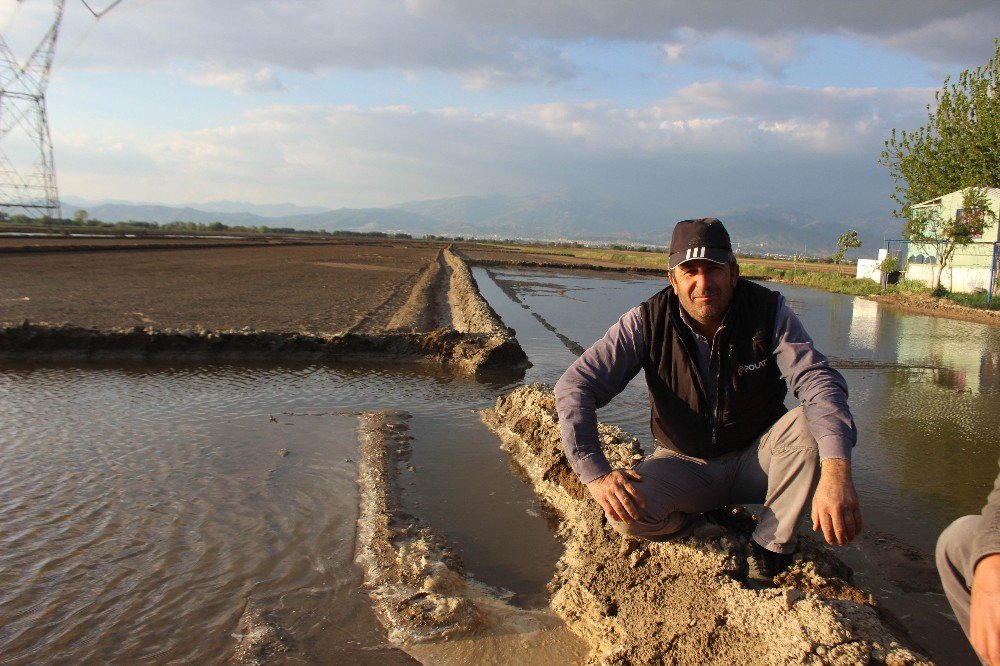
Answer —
(27, 172)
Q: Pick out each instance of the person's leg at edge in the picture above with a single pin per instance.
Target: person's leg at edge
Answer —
(782, 472)
(677, 489)
(954, 564)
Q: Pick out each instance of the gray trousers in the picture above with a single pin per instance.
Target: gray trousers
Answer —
(780, 472)
(955, 565)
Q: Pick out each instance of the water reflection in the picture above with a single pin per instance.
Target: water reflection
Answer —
(864, 325)
(143, 506)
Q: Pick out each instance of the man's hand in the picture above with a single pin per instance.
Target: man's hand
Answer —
(619, 498)
(835, 508)
(984, 615)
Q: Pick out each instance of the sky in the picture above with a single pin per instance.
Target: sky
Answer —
(670, 106)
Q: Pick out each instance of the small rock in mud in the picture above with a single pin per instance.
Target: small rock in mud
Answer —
(283, 453)
(261, 637)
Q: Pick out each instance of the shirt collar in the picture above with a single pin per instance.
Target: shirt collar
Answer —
(694, 331)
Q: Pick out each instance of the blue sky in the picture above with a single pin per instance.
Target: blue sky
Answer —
(664, 104)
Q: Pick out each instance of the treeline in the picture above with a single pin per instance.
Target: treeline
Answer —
(83, 221)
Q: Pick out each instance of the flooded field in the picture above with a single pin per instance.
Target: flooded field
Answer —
(924, 393)
(144, 507)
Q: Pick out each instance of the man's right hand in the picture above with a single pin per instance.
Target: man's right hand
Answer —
(619, 498)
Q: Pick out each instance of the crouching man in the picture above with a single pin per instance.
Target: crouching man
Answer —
(718, 353)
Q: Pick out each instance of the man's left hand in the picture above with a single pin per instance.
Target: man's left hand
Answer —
(835, 507)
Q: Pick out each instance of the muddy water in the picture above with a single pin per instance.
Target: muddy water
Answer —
(925, 393)
(142, 508)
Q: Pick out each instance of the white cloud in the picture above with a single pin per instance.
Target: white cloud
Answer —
(747, 136)
(238, 81)
(486, 43)
(741, 137)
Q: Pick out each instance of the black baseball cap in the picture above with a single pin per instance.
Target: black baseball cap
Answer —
(704, 238)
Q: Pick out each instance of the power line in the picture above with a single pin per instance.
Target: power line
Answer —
(103, 11)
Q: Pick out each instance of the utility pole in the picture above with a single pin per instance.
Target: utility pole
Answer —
(27, 171)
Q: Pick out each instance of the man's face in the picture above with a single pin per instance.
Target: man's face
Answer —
(705, 289)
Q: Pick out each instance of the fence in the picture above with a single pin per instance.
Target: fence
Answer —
(974, 268)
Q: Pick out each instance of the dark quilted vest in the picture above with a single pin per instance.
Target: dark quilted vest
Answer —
(751, 392)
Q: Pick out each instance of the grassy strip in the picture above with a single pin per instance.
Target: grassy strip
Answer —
(801, 275)
(840, 284)
(650, 259)
(975, 300)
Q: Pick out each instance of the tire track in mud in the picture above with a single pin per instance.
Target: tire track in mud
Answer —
(413, 306)
(572, 345)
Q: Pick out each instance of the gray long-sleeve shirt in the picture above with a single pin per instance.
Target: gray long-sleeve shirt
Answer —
(604, 370)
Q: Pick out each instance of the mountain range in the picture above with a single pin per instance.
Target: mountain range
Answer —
(549, 216)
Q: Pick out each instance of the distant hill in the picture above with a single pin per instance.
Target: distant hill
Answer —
(560, 215)
(766, 229)
(263, 210)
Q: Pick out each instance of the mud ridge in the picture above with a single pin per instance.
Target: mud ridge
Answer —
(418, 586)
(481, 344)
(683, 602)
(467, 352)
(572, 345)
(469, 310)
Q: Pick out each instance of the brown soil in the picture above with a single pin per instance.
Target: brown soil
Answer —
(684, 602)
(320, 289)
(313, 301)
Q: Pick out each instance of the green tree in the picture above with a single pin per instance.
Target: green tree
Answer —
(844, 243)
(80, 217)
(958, 148)
(928, 228)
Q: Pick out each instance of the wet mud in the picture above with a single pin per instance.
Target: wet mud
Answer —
(572, 345)
(435, 316)
(686, 601)
(261, 638)
(938, 307)
(430, 608)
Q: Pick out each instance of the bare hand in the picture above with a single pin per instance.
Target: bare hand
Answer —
(984, 615)
(835, 507)
(619, 498)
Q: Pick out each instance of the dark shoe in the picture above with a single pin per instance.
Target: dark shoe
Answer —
(763, 564)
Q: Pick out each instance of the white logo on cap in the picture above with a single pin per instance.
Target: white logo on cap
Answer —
(695, 253)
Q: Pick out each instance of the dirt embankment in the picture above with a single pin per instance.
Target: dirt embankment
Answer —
(310, 303)
(938, 307)
(683, 602)
(420, 592)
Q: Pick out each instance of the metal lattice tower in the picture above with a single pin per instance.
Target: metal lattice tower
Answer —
(27, 172)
